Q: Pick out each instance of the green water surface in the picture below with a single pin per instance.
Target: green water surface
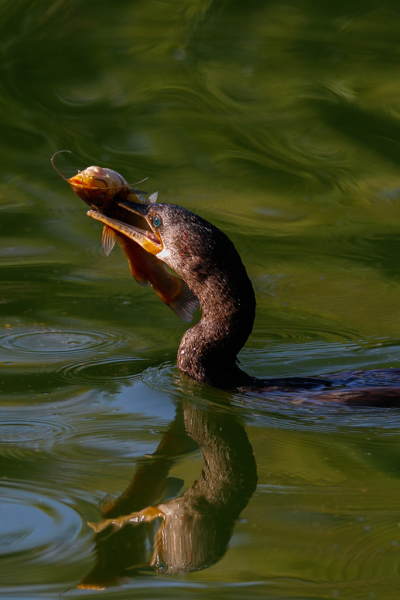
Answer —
(279, 121)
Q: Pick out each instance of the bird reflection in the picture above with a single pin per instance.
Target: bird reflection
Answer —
(146, 530)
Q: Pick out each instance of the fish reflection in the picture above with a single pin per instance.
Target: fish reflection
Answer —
(188, 533)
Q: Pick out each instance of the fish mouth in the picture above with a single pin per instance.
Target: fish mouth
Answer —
(90, 193)
(148, 239)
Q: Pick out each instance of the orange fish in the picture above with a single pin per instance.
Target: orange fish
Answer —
(102, 189)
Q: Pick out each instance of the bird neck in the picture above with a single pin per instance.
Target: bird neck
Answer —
(208, 351)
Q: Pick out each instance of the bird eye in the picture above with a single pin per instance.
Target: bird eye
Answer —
(156, 221)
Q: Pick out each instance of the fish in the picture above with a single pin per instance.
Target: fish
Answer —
(102, 189)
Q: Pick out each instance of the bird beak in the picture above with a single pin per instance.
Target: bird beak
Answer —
(147, 238)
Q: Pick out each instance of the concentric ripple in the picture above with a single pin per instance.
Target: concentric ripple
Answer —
(54, 341)
(333, 547)
(365, 547)
(18, 437)
(35, 527)
(98, 371)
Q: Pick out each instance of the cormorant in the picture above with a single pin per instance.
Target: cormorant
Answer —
(206, 259)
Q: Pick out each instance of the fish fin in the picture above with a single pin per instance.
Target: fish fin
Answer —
(134, 195)
(184, 303)
(108, 239)
(141, 281)
(137, 274)
(153, 198)
(133, 253)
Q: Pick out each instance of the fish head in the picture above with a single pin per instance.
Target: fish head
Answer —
(97, 186)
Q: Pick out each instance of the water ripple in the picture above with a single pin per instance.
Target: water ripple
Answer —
(28, 434)
(49, 341)
(365, 547)
(103, 370)
(343, 544)
(35, 527)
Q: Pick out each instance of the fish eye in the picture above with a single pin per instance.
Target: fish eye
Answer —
(156, 221)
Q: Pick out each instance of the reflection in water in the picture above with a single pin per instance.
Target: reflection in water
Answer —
(196, 527)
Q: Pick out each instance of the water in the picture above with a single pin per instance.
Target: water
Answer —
(278, 122)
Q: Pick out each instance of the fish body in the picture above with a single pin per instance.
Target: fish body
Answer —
(147, 268)
(102, 189)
